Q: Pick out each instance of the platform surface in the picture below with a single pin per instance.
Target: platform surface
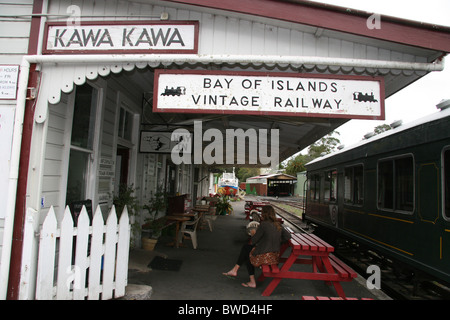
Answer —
(200, 275)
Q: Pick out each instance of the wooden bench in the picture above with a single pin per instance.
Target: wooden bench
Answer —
(320, 298)
(341, 268)
(267, 270)
(308, 249)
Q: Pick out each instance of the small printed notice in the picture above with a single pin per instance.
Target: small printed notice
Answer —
(9, 75)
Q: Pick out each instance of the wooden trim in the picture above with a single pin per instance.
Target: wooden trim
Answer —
(33, 41)
(339, 19)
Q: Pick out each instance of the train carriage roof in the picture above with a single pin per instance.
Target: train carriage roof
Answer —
(396, 128)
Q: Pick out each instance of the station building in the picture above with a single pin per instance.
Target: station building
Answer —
(154, 94)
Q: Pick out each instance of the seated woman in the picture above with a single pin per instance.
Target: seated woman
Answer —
(264, 247)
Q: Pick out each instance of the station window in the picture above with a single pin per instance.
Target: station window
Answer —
(82, 142)
(396, 184)
(446, 182)
(330, 186)
(83, 127)
(125, 124)
(314, 187)
(353, 185)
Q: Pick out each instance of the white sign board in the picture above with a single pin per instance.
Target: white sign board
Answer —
(122, 37)
(165, 142)
(9, 75)
(269, 93)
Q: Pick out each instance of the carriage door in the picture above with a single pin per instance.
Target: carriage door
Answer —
(445, 233)
(428, 208)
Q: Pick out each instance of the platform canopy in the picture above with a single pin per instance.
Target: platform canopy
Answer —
(311, 52)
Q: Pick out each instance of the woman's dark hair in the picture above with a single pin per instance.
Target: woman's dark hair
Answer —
(268, 214)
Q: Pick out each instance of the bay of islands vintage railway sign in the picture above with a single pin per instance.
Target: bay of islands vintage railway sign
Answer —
(122, 37)
(285, 94)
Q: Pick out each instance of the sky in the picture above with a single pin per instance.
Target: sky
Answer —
(418, 99)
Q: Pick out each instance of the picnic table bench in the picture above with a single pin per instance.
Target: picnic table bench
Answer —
(320, 298)
(308, 249)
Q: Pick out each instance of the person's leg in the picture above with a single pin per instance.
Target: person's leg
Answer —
(242, 258)
(251, 283)
(251, 273)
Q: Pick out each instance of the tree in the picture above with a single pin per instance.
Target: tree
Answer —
(326, 145)
(297, 164)
(243, 173)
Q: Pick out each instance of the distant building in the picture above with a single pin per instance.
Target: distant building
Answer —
(277, 184)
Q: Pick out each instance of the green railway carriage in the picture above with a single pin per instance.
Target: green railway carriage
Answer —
(390, 192)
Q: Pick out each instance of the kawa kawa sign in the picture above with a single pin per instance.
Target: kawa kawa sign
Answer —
(122, 37)
(286, 94)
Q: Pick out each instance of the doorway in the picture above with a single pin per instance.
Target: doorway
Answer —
(122, 166)
(171, 175)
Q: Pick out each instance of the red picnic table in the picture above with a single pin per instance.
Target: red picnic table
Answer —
(308, 249)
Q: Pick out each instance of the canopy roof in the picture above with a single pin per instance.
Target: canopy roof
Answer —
(270, 36)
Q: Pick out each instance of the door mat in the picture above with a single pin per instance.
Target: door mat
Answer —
(160, 263)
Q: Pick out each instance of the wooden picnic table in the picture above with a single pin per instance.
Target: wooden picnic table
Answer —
(308, 249)
(202, 210)
(178, 219)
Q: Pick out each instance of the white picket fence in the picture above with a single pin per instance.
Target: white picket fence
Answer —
(75, 263)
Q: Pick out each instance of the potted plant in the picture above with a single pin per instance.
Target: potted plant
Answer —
(126, 198)
(154, 224)
(223, 206)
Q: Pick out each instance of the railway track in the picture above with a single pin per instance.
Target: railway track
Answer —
(396, 285)
(293, 221)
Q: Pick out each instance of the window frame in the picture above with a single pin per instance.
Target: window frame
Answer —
(330, 190)
(353, 203)
(92, 164)
(315, 177)
(394, 182)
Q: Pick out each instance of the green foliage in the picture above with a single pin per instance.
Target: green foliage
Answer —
(244, 173)
(326, 144)
(223, 206)
(156, 204)
(126, 198)
(297, 164)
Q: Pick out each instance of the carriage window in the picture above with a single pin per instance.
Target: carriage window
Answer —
(314, 187)
(330, 186)
(353, 185)
(396, 184)
(446, 164)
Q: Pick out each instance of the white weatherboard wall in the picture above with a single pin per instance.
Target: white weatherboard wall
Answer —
(14, 36)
